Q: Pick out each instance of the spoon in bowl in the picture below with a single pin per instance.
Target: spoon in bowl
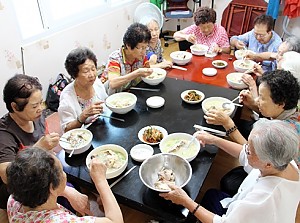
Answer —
(227, 105)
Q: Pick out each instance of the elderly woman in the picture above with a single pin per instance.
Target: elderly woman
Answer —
(205, 31)
(278, 98)
(82, 100)
(36, 178)
(272, 187)
(127, 65)
(154, 50)
(25, 126)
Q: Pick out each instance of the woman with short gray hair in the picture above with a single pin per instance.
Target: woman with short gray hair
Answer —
(271, 191)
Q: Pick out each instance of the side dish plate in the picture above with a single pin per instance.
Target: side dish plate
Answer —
(141, 132)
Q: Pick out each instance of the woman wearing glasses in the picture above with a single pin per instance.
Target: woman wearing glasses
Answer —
(24, 126)
(128, 64)
(271, 191)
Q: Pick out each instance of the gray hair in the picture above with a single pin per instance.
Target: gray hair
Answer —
(293, 43)
(275, 141)
(290, 62)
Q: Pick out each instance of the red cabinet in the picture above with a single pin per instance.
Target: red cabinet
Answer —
(239, 15)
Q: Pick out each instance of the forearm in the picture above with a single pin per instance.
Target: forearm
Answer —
(233, 42)
(111, 208)
(229, 147)
(74, 124)
(180, 36)
(118, 81)
(263, 56)
(3, 167)
(236, 136)
(226, 50)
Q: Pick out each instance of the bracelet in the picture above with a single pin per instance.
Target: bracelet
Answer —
(231, 130)
(196, 208)
(78, 120)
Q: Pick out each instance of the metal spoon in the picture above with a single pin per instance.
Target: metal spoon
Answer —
(227, 105)
(72, 152)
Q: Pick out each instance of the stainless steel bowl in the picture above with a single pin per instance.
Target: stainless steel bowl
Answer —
(150, 167)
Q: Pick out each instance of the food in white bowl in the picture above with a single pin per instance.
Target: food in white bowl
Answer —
(209, 71)
(181, 57)
(78, 139)
(240, 54)
(219, 63)
(192, 96)
(113, 156)
(121, 103)
(235, 81)
(159, 170)
(216, 103)
(199, 49)
(158, 75)
(152, 134)
(243, 65)
(140, 152)
(176, 143)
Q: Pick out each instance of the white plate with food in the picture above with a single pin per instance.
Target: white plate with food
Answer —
(113, 156)
(192, 96)
(219, 63)
(152, 134)
(243, 65)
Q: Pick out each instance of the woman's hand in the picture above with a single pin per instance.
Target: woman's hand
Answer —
(217, 117)
(247, 99)
(93, 109)
(205, 138)
(248, 79)
(98, 170)
(48, 141)
(176, 195)
(191, 38)
(166, 64)
(143, 72)
(257, 70)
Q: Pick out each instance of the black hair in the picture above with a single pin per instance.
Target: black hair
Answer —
(136, 33)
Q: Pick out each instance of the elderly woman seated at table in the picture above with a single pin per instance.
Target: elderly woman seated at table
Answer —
(82, 100)
(154, 50)
(205, 31)
(271, 191)
(25, 126)
(127, 65)
(278, 98)
(36, 178)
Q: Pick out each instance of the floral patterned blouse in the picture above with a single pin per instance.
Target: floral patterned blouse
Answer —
(17, 214)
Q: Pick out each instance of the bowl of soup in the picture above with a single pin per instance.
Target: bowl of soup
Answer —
(113, 156)
(243, 65)
(235, 81)
(217, 104)
(162, 169)
(158, 75)
(121, 103)
(199, 49)
(178, 143)
(181, 57)
(79, 140)
(240, 54)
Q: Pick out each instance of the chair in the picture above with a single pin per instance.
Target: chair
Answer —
(176, 9)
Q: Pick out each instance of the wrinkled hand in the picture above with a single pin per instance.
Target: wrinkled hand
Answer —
(205, 138)
(176, 195)
(249, 56)
(247, 99)
(217, 117)
(79, 201)
(48, 141)
(94, 109)
(144, 72)
(98, 170)
(217, 49)
(257, 70)
(248, 79)
(166, 64)
(191, 38)
(240, 45)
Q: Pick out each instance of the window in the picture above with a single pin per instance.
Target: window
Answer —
(48, 16)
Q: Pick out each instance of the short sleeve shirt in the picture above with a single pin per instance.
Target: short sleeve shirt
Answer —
(218, 36)
(118, 65)
(17, 214)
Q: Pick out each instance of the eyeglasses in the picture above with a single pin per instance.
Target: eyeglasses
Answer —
(143, 48)
(247, 149)
(260, 35)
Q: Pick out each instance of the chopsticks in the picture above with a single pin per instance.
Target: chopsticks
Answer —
(210, 130)
(179, 68)
(106, 116)
(144, 89)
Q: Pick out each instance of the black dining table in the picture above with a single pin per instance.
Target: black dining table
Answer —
(175, 116)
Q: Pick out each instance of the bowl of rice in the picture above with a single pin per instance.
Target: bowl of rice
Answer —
(121, 103)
